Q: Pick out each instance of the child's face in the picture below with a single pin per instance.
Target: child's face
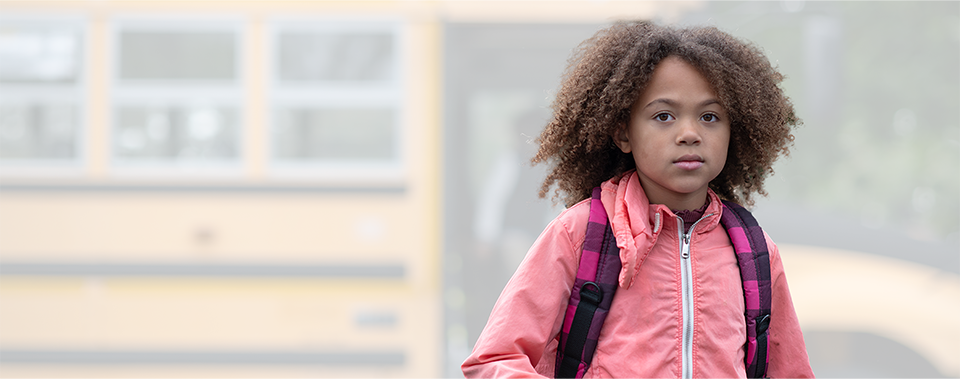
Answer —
(678, 135)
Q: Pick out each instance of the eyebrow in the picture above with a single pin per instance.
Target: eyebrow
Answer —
(674, 103)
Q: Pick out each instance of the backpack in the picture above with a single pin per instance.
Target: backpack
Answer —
(597, 281)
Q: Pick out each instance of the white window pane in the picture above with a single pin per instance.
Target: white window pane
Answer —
(333, 134)
(37, 54)
(171, 55)
(176, 133)
(38, 131)
(317, 56)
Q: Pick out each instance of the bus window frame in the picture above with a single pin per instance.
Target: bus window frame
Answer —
(228, 93)
(388, 94)
(39, 93)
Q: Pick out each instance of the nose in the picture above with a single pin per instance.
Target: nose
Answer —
(689, 133)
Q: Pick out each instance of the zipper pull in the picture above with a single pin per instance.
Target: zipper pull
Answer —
(685, 237)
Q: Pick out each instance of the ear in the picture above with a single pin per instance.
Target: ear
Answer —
(621, 139)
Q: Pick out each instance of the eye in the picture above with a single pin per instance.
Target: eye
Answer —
(663, 117)
(709, 117)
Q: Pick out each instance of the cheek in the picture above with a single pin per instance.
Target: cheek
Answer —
(645, 144)
(723, 146)
(724, 143)
(644, 150)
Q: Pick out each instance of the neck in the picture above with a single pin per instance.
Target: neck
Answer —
(674, 200)
(682, 203)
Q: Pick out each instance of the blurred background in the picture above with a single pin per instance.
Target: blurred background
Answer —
(341, 189)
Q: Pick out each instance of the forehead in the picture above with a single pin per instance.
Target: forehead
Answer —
(675, 79)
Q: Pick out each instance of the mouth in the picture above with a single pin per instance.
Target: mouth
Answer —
(689, 162)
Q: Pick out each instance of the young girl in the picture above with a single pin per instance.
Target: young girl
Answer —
(667, 122)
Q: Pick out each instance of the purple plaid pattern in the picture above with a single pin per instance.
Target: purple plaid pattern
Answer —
(599, 263)
(754, 260)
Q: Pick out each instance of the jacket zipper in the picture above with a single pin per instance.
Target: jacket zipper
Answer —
(686, 285)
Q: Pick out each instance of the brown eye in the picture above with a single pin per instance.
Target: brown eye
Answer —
(709, 117)
(663, 117)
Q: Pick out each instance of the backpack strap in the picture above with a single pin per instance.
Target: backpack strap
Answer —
(754, 260)
(593, 290)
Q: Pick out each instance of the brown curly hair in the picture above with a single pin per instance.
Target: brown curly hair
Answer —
(609, 71)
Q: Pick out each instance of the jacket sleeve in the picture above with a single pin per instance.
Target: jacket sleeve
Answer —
(788, 353)
(528, 315)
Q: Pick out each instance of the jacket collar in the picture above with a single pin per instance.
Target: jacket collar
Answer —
(637, 224)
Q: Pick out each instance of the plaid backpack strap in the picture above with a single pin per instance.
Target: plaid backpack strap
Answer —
(754, 260)
(592, 294)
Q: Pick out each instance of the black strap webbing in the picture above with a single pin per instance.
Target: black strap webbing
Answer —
(762, 325)
(590, 296)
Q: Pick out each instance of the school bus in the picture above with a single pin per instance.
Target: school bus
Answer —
(173, 212)
(328, 189)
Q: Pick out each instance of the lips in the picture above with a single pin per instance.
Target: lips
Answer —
(689, 162)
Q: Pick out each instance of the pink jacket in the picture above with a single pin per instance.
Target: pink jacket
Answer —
(641, 337)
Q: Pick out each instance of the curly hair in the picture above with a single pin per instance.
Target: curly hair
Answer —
(609, 71)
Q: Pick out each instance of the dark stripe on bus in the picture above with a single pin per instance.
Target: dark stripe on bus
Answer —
(384, 271)
(365, 359)
(267, 189)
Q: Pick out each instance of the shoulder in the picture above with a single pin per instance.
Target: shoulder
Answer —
(569, 225)
(574, 219)
(772, 248)
(776, 262)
